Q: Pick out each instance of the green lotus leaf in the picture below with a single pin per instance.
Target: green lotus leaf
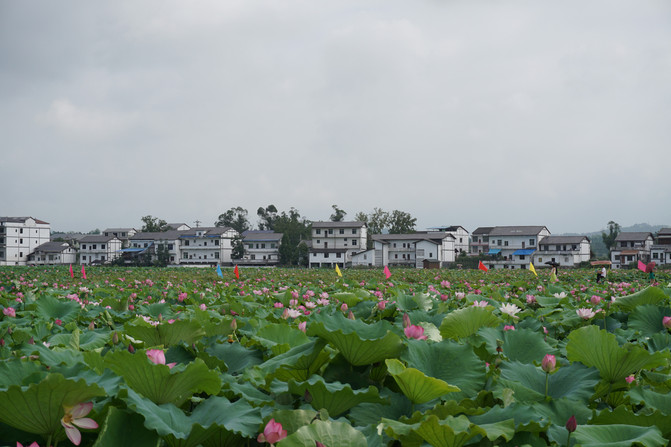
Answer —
(449, 361)
(329, 433)
(85, 341)
(522, 345)
(292, 420)
(652, 399)
(625, 415)
(649, 295)
(38, 408)
(616, 435)
(647, 319)
(417, 386)
(18, 372)
(358, 342)
(298, 363)
(659, 342)
(366, 414)
(54, 357)
(467, 321)
(125, 428)
(235, 357)
(574, 381)
(158, 383)
(247, 391)
(279, 337)
(165, 334)
(335, 397)
(598, 348)
(349, 298)
(50, 308)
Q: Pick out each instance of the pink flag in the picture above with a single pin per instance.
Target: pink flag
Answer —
(641, 266)
(83, 272)
(72, 274)
(387, 273)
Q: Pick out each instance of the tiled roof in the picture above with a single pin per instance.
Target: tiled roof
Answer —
(95, 238)
(552, 240)
(52, 247)
(516, 231)
(633, 236)
(261, 236)
(328, 224)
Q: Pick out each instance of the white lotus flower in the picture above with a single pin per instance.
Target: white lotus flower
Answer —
(510, 309)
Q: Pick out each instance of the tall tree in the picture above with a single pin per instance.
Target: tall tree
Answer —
(376, 222)
(294, 229)
(401, 222)
(238, 247)
(613, 231)
(267, 217)
(338, 214)
(235, 218)
(154, 225)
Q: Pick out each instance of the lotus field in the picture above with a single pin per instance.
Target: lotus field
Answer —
(184, 357)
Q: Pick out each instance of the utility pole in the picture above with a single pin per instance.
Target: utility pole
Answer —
(197, 222)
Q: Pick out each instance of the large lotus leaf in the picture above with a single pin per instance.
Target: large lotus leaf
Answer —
(54, 357)
(522, 345)
(18, 372)
(574, 381)
(124, 428)
(329, 433)
(625, 415)
(659, 342)
(298, 363)
(598, 348)
(235, 357)
(467, 321)
(292, 420)
(358, 342)
(449, 361)
(658, 401)
(417, 386)
(647, 319)
(370, 414)
(248, 392)
(618, 436)
(50, 309)
(38, 408)
(649, 295)
(165, 334)
(349, 298)
(237, 417)
(166, 419)
(86, 340)
(280, 337)
(158, 383)
(335, 397)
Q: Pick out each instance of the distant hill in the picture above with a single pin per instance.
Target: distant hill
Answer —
(599, 248)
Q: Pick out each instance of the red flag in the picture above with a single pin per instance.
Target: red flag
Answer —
(72, 274)
(83, 272)
(237, 273)
(641, 266)
(387, 273)
(482, 267)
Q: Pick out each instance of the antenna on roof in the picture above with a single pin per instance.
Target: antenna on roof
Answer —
(197, 222)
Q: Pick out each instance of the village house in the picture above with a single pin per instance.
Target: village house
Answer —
(411, 250)
(566, 251)
(98, 249)
(462, 238)
(206, 245)
(19, 237)
(480, 240)
(147, 244)
(53, 253)
(261, 248)
(334, 243)
(631, 247)
(660, 253)
(514, 246)
(123, 234)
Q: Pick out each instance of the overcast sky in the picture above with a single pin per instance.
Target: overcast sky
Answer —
(471, 113)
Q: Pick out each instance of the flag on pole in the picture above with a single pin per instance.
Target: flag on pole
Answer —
(387, 273)
(219, 271)
(83, 272)
(641, 266)
(482, 267)
(338, 271)
(237, 272)
(72, 274)
(532, 268)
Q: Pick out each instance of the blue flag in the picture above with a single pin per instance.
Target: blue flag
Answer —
(219, 271)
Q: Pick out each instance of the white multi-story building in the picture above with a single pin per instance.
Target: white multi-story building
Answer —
(461, 237)
(143, 243)
(98, 249)
(123, 234)
(333, 243)
(19, 237)
(411, 250)
(206, 245)
(660, 253)
(515, 245)
(480, 240)
(261, 248)
(631, 247)
(567, 251)
(53, 253)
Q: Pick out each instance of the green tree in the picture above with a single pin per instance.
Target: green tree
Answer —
(338, 214)
(613, 231)
(267, 216)
(96, 231)
(162, 255)
(376, 222)
(235, 218)
(401, 222)
(238, 247)
(154, 225)
(294, 229)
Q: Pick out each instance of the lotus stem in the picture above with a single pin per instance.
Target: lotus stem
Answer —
(568, 440)
(547, 378)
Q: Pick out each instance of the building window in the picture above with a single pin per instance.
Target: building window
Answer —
(21, 240)
(521, 257)
(396, 256)
(326, 255)
(505, 243)
(319, 241)
(353, 241)
(84, 258)
(102, 258)
(318, 231)
(532, 241)
(263, 245)
(94, 247)
(170, 246)
(498, 242)
(330, 230)
(250, 246)
(430, 255)
(272, 245)
(338, 255)
(314, 255)
(354, 231)
(540, 260)
(342, 231)
(102, 246)
(216, 254)
(394, 244)
(216, 242)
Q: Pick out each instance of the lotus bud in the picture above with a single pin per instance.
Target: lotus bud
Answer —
(549, 363)
(319, 444)
(2, 342)
(160, 317)
(92, 326)
(406, 320)
(307, 397)
(115, 338)
(571, 424)
(350, 315)
(234, 325)
(666, 321)
(31, 341)
(131, 349)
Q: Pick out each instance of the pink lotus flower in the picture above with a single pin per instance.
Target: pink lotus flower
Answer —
(630, 378)
(508, 327)
(272, 433)
(585, 313)
(9, 311)
(34, 444)
(480, 303)
(549, 363)
(414, 331)
(666, 321)
(303, 325)
(158, 356)
(74, 417)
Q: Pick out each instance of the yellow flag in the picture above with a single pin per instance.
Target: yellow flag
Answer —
(533, 270)
(338, 270)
